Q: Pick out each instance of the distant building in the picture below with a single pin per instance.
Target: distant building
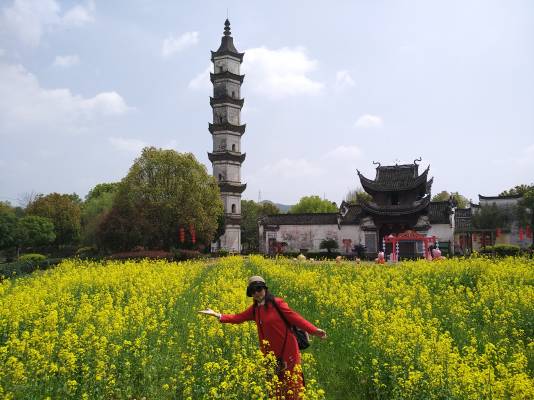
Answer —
(400, 204)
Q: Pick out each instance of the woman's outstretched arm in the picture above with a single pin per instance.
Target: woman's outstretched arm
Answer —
(246, 315)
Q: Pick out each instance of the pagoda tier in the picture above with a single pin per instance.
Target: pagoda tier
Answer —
(226, 75)
(396, 210)
(227, 127)
(394, 179)
(232, 219)
(227, 156)
(227, 47)
(232, 187)
(215, 101)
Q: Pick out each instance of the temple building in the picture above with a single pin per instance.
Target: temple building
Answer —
(226, 131)
(400, 206)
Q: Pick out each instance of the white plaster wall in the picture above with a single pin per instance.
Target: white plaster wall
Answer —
(231, 240)
(230, 172)
(226, 64)
(228, 200)
(443, 233)
(306, 236)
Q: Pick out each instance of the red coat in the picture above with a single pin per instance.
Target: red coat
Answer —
(271, 327)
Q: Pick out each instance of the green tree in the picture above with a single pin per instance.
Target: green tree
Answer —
(526, 210)
(97, 205)
(250, 212)
(102, 188)
(329, 245)
(313, 204)
(358, 196)
(163, 192)
(8, 223)
(461, 201)
(492, 217)
(517, 190)
(33, 231)
(65, 213)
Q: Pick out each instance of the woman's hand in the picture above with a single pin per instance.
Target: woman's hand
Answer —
(320, 333)
(210, 312)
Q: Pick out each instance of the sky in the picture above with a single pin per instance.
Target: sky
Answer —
(329, 88)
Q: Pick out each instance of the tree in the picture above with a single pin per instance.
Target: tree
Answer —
(461, 201)
(250, 213)
(64, 212)
(8, 223)
(97, 205)
(329, 245)
(493, 217)
(526, 210)
(313, 204)
(164, 191)
(32, 231)
(517, 190)
(358, 196)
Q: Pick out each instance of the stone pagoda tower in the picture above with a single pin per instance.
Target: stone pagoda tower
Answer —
(226, 131)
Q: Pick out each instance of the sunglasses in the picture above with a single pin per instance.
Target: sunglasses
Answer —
(257, 289)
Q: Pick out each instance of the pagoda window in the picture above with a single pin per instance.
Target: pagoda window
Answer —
(394, 199)
(233, 208)
(233, 94)
(220, 177)
(233, 147)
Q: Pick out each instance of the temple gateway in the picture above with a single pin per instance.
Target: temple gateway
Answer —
(400, 219)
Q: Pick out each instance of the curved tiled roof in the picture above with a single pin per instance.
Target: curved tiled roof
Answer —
(227, 127)
(301, 219)
(226, 75)
(227, 156)
(390, 210)
(439, 211)
(394, 178)
(232, 187)
(226, 99)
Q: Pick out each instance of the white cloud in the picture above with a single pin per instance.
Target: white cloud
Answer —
(280, 73)
(128, 145)
(346, 153)
(292, 168)
(28, 20)
(202, 80)
(66, 61)
(173, 44)
(2, 52)
(25, 105)
(369, 121)
(79, 15)
(344, 80)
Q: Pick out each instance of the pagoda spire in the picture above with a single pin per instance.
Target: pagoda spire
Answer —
(227, 28)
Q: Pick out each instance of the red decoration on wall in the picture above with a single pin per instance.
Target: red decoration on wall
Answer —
(529, 232)
(520, 233)
(182, 235)
(498, 232)
(193, 234)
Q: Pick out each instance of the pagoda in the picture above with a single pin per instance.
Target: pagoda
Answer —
(400, 205)
(226, 131)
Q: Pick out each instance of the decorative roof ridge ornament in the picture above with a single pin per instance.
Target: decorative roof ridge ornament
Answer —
(375, 163)
(227, 31)
(417, 159)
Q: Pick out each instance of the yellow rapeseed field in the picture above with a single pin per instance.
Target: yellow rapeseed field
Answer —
(454, 329)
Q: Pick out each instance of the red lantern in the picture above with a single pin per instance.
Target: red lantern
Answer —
(498, 232)
(520, 233)
(182, 235)
(193, 234)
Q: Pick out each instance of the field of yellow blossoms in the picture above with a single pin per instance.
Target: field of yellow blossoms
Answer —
(453, 329)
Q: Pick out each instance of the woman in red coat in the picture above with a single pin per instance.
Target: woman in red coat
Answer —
(272, 329)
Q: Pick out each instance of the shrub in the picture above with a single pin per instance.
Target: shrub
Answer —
(18, 268)
(183, 254)
(34, 257)
(506, 250)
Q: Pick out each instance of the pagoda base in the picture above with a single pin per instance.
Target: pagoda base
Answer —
(230, 241)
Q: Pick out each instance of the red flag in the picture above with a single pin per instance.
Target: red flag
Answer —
(520, 233)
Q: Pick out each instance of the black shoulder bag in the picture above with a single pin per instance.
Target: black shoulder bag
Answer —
(303, 339)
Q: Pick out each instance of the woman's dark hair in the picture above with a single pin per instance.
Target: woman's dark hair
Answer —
(269, 298)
